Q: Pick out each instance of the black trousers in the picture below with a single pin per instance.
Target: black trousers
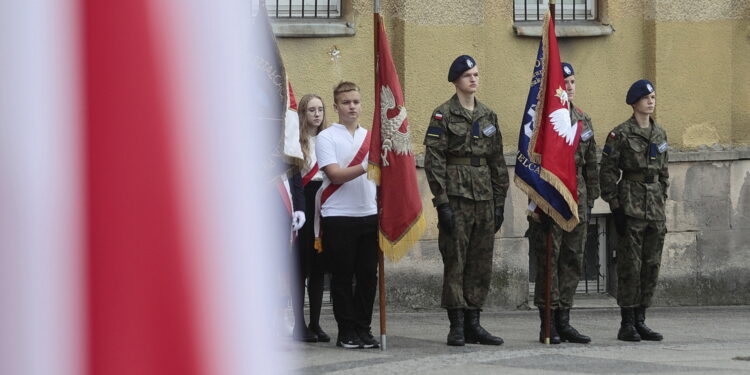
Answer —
(308, 265)
(352, 246)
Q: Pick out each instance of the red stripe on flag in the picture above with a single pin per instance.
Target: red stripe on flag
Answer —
(284, 196)
(141, 317)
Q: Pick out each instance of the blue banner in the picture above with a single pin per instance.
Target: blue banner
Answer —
(527, 176)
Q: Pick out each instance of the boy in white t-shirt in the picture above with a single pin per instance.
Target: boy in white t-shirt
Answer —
(349, 225)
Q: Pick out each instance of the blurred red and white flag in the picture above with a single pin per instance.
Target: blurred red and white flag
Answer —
(138, 234)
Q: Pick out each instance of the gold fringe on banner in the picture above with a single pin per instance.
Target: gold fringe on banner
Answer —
(566, 225)
(373, 173)
(397, 249)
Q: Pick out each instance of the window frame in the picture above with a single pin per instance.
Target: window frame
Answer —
(569, 9)
(310, 27)
(565, 27)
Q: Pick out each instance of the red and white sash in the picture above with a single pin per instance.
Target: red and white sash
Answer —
(309, 176)
(327, 189)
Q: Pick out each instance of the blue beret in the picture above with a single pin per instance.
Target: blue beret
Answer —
(638, 90)
(460, 65)
(567, 70)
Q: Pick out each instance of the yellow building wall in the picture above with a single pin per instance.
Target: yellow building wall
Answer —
(697, 53)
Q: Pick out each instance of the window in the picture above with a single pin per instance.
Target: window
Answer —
(566, 10)
(304, 8)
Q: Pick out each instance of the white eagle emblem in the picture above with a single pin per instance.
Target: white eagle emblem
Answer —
(393, 139)
(560, 120)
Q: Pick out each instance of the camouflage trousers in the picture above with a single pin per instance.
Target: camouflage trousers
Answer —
(638, 261)
(567, 260)
(467, 254)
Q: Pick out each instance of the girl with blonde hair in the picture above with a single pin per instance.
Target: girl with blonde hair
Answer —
(312, 120)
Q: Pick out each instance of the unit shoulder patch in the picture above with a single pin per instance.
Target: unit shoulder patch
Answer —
(435, 131)
(586, 135)
(438, 116)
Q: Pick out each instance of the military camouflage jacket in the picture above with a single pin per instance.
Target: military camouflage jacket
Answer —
(456, 133)
(641, 155)
(587, 164)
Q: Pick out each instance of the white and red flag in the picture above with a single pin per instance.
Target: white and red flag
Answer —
(391, 162)
(140, 232)
(554, 139)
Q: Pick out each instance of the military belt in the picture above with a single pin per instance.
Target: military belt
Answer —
(639, 177)
(472, 161)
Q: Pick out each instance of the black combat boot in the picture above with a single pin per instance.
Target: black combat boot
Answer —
(640, 326)
(554, 338)
(474, 333)
(566, 331)
(627, 329)
(456, 334)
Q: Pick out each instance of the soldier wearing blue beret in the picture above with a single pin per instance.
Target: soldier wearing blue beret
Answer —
(567, 247)
(637, 149)
(467, 175)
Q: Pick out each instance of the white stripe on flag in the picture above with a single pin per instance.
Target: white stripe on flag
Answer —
(40, 278)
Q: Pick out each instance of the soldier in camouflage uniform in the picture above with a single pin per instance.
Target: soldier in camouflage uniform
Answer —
(638, 149)
(467, 174)
(567, 247)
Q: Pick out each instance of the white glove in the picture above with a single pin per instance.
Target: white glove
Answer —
(298, 220)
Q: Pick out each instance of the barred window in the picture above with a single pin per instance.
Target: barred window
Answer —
(566, 10)
(304, 8)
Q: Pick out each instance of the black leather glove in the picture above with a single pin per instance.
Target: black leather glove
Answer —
(445, 218)
(545, 222)
(620, 220)
(499, 217)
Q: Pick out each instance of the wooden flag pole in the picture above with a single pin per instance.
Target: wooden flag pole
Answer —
(381, 260)
(548, 268)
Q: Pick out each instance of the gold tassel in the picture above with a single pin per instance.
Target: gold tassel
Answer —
(397, 249)
(373, 173)
(318, 245)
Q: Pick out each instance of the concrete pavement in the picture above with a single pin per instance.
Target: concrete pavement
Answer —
(698, 340)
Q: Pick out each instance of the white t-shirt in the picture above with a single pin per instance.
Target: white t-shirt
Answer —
(356, 198)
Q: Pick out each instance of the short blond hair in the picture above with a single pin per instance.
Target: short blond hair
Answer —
(342, 87)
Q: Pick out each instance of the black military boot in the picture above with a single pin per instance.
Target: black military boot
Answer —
(474, 333)
(640, 326)
(554, 338)
(456, 334)
(627, 328)
(566, 331)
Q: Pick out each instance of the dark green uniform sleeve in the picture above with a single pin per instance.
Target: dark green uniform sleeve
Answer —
(435, 165)
(592, 170)
(610, 169)
(498, 169)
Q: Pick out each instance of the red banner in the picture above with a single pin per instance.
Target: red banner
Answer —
(392, 164)
(555, 140)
